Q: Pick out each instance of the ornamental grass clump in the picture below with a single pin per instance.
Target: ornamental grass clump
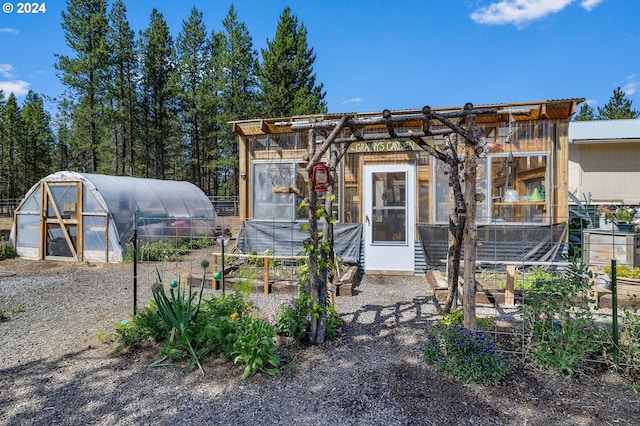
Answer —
(179, 311)
(465, 355)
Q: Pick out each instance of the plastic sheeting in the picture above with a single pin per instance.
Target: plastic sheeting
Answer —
(286, 239)
(110, 204)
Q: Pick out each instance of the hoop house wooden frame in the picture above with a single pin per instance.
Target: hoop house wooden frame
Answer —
(92, 217)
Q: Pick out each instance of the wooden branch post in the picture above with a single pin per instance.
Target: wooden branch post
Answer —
(266, 275)
(509, 290)
(470, 233)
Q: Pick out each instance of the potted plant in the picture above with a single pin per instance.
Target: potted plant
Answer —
(623, 217)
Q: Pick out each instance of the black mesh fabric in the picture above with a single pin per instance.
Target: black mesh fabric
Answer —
(286, 239)
(498, 243)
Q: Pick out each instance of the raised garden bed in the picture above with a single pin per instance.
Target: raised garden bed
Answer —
(280, 279)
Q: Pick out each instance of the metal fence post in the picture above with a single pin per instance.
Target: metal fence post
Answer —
(614, 311)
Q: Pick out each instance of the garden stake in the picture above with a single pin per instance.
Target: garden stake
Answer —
(222, 244)
(135, 263)
(614, 307)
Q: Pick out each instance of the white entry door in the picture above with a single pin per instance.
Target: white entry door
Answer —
(389, 218)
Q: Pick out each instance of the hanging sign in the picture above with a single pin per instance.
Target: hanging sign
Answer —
(384, 146)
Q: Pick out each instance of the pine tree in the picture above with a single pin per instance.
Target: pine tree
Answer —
(586, 113)
(122, 93)
(12, 131)
(159, 106)
(193, 57)
(33, 156)
(237, 65)
(618, 107)
(287, 82)
(4, 161)
(85, 27)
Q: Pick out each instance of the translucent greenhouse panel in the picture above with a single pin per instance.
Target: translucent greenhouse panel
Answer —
(95, 233)
(96, 238)
(90, 203)
(66, 199)
(146, 200)
(28, 236)
(57, 244)
(173, 197)
(199, 206)
(33, 203)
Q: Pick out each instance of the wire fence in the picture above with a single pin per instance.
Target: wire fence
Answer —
(571, 298)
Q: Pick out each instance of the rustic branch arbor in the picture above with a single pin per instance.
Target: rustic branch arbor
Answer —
(375, 153)
(462, 206)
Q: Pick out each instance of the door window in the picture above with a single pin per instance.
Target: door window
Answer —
(389, 207)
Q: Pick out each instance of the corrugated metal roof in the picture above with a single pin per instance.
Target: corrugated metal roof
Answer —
(550, 109)
(604, 131)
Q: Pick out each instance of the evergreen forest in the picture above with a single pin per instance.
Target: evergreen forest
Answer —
(151, 105)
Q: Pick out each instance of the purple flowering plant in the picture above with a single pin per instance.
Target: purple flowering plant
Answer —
(466, 355)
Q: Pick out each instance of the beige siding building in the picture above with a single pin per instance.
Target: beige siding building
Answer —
(604, 161)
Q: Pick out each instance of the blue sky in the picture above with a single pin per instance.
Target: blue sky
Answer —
(372, 55)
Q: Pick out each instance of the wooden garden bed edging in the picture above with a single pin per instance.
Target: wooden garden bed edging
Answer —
(343, 285)
(496, 297)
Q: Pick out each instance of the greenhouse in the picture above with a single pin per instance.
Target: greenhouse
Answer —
(92, 217)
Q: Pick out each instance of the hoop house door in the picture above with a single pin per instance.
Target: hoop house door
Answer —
(389, 220)
(62, 221)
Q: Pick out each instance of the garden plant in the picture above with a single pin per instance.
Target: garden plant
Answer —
(465, 355)
(559, 317)
(294, 317)
(193, 329)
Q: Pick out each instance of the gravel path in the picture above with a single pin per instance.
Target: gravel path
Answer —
(53, 369)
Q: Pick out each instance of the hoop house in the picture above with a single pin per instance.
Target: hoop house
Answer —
(90, 217)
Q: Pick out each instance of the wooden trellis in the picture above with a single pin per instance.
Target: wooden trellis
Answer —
(462, 227)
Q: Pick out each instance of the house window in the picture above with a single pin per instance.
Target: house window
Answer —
(278, 190)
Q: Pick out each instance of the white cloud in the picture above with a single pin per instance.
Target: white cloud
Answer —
(521, 12)
(355, 100)
(589, 5)
(6, 71)
(17, 87)
(11, 84)
(9, 31)
(630, 85)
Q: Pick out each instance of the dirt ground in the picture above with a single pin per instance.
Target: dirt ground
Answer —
(597, 397)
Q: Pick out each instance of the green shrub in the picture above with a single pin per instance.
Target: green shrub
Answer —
(293, 318)
(624, 271)
(629, 339)
(559, 316)
(168, 249)
(464, 354)
(223, 326)
(254, 347)
(524, 280)
(6, 251)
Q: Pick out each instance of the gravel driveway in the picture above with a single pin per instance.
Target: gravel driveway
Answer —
(53, 369)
